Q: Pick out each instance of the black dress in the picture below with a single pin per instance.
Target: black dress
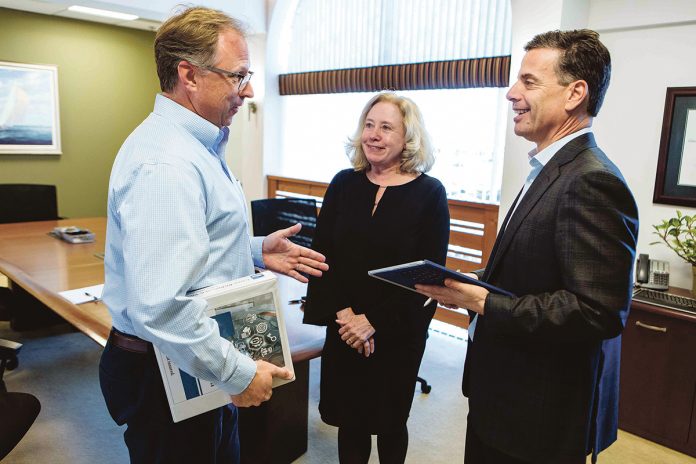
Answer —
(410, 223)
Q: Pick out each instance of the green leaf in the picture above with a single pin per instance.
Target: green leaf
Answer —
(679, 233)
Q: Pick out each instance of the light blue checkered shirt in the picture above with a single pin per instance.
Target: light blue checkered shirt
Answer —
(177, 221)
(537, 161)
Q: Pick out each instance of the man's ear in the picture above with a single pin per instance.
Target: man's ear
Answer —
(577, 95)
(187, 74)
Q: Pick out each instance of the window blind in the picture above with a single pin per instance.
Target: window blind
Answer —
(341, 46)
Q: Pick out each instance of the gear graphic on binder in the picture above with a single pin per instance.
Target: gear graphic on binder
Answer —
(259, 337)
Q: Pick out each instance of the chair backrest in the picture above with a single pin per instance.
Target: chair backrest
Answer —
(17, 410)
(27, 202)
(279, 213)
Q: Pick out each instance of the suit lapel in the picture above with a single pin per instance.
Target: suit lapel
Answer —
(536, 191)
(494, 251)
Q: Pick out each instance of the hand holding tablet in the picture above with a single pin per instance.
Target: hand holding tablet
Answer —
(427, 273)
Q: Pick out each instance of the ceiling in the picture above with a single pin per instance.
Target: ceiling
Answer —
(150, 12)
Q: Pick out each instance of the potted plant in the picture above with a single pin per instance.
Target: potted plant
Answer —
(679, 234)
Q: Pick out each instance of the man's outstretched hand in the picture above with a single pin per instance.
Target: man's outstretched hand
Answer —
(283, 256)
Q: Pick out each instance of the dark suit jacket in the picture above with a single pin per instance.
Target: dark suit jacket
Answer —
(542, 372)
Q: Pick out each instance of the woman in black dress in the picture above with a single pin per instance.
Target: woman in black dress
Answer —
(385, 211)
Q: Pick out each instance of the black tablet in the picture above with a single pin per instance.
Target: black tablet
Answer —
(427, 273)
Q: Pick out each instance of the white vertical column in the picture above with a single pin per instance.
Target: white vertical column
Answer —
(245, 149)
(529, 18)
(276, 62)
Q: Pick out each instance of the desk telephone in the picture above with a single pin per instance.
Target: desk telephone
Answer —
(652, 273)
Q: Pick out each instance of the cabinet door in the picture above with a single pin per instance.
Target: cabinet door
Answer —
(691, 449)
(658, 377)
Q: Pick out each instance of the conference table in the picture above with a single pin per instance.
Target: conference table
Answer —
(39, 266)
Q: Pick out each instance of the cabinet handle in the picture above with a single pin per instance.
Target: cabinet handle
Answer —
(651, 327)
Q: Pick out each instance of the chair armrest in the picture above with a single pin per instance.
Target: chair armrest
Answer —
(9, 349)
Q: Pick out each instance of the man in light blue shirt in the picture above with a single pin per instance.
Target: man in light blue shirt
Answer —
(177, 222)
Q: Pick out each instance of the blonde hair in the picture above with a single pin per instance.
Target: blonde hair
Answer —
(192, 36)
(417, 155)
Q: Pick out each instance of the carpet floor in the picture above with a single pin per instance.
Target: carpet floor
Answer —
(60, 367)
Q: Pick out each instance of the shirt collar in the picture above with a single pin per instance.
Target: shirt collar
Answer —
(221, 142)
(212, 137)
(547, 153)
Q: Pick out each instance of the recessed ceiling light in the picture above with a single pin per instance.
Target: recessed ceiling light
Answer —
(105, 13)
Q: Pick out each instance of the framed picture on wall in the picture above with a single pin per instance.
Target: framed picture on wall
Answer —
(675, 183)
(29, 116)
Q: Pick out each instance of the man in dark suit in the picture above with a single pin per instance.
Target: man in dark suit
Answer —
(542, 369)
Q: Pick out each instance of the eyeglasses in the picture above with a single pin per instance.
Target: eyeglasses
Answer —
(241, 80)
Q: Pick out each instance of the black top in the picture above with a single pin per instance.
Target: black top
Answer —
(410, 223)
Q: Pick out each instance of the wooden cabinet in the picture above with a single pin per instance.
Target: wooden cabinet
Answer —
(658, 377)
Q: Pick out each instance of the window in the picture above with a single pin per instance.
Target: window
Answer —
(446, 55)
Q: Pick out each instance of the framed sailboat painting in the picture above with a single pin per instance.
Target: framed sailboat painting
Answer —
(29, 115)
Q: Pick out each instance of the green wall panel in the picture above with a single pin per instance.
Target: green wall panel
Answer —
(107, 83)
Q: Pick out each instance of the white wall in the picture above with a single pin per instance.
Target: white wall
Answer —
(641, 14)
(254, 148)
(278, 40)
(652, 49)
(651, 44)
(245, 154)
(529, 17)
(245, 149)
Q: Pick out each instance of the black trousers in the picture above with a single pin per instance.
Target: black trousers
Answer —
(132, 387)
(477, 452)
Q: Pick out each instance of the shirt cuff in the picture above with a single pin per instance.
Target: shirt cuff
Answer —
(257, 251)
(242, 377)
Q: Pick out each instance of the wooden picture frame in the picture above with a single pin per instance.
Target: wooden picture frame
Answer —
(675, 182)
(29, 113)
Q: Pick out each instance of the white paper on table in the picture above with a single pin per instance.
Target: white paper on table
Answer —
(83, 295)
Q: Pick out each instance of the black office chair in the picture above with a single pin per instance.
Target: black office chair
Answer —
(28, 202)
(6, 301)
(24, 203)
(18, 411)
(424, 385)
(279, 213)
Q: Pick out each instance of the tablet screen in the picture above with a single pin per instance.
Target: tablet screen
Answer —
(427, 273)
